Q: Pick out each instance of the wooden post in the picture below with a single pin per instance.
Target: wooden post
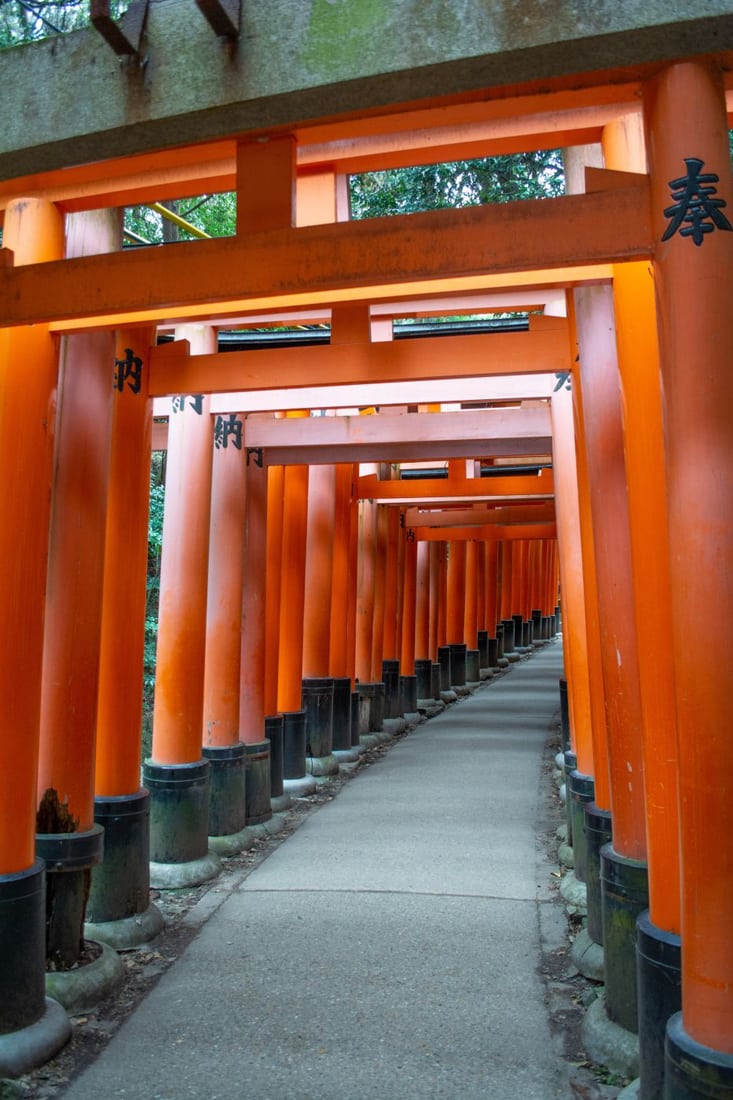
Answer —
(72, 628)
(692, 211)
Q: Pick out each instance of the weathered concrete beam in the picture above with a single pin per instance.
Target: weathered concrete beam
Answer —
(68, 100)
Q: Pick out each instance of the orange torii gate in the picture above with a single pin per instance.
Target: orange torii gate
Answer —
(671, 213)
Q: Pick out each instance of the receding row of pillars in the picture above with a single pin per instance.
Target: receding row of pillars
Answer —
(643, 497)
(293, 620)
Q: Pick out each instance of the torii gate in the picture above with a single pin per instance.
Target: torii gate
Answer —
(671, 210)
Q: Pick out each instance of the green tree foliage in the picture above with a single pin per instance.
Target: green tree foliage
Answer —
(214, 214)
(24, 21)
(457, 183)
(155, 549)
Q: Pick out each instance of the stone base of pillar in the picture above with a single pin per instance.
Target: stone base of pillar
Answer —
(607, 1043)
(127, 932)
(280, 803)
(231, 844)
(625, 894)
(448, 696)
(391, 728)
(79, 990)
(573, 892)
(659, 984)
(31, 1046)
(322, 765)
(348, 756)
(430, 707)
(181, 876)
(300, 787)
(694, 1071)
(119, 911)
(587, 955)
(179, 824)
(565, 855)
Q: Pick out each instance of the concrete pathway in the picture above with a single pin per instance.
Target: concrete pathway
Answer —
(389, 949)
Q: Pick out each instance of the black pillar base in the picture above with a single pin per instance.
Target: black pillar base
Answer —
(69, 858)
(119, 910)
(564, 715)
(597, 826)
(226, 788)
(375, 694)
(318, 707)
(424, 678)
(473, 672)
(274, 734)
(391, 681)
(22, 948)
(258, 807)
(179, 810)
(580, 790)
(694, 1071)
(482, 641)
(659, 983)
(408, 694)
(342, 713)
(625, 894)
(458, 664)
(444, 660)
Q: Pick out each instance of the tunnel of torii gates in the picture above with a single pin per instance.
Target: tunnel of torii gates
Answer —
(362, 524)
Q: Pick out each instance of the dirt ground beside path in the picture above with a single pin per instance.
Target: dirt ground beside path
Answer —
(567, 992)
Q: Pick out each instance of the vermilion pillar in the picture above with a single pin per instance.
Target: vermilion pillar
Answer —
(380, 584)
(275, 479)
(575, 640)
(318, 685)
(658, 942)
(422, 601)
(319, 570)
(435, 553)
(365, 589)
(470, 611)
(225, 583)
(409, 598)
(692, 211)
(292, 588)
(392, 586)
(70, 679)
(455, 609)
(34, 232)
(120, 890)
(623, 868)
(222, 744)
(176, 775)
(340, 602)
(491, 554)
(254, 651)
